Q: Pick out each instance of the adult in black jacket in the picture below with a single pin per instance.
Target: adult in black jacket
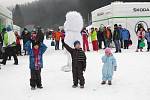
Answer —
(116, 38)
(78, 63)
(100, 37)
(26, 36)
(40, 35)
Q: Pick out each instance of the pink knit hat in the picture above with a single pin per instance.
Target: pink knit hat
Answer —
(108, 50)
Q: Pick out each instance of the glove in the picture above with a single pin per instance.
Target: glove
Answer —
(115, 68)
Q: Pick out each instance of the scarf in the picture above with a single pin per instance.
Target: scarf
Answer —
(37, 59)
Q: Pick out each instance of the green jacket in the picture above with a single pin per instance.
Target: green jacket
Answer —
(9, 40)
(5, 39)
(94, 36)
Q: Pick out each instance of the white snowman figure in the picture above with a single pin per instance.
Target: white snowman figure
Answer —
(72, 26)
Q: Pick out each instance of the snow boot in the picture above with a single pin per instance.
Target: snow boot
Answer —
(116, 51)
(32, 88)
(40, 87)
(82, 86)
(137, 50)
(141, 50)
(119, 51)
(15, 63)
(74, 86)
(109, 83)
(103, 82)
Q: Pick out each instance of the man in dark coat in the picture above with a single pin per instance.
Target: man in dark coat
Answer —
(116, 38)
(78, 63)
(26, 36)
(100, 37)
(40, 35)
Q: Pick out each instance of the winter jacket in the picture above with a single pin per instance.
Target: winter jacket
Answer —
(42, 49)
(25, 37)
(62, 35)
(125, 34)
(116, 35)
(108, 67)
(100, 36)
(40, 36)
(93, 35)
(18, 40)
(84, 35)
(141, 35)
(121, 32)
(108, 34)
(147, 36)
(78, 57)
(57, 36)
(9, 39)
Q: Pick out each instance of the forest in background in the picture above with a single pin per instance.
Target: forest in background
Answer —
(51, 13)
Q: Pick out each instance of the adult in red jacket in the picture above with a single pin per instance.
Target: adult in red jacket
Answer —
(62, 38)
(57, 37)
(85, 39)
(18, 44)
(94, 39)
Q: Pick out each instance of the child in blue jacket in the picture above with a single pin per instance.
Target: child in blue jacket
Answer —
(36, 62)
(109, 66)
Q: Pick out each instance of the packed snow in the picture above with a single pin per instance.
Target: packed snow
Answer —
(130, 82)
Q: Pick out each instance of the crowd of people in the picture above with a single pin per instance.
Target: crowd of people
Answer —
(11, 45)
(105, 37)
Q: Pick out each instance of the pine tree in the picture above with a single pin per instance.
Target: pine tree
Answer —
(18, 17)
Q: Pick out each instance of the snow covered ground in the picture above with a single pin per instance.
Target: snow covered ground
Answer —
(131, 81)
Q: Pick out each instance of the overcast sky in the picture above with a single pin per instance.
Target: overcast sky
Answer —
(13, 2)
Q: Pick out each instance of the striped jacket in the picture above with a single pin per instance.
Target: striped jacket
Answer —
(78, 57)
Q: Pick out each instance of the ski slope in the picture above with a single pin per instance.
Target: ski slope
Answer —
(131, 81)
